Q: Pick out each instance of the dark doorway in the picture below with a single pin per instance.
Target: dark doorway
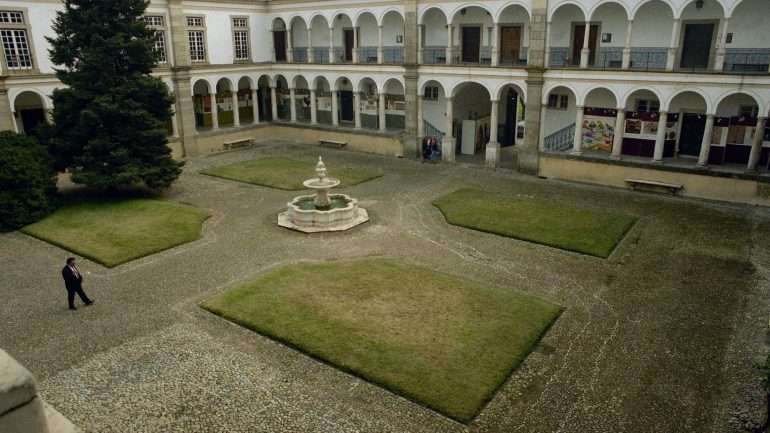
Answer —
(509, 129)
(32, 118)
(346, 106)
(693, 126)
(510, 44)
(696, 46)
(279, 44)
(577, 43)
(348, 45)
(265, 110)
(471, 44)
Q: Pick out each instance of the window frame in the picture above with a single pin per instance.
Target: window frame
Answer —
(161, 29)
(247, 30)
(202, 29)
(27, 28)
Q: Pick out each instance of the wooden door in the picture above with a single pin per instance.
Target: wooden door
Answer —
(349, 45)
(696, 46)
(471, 48)
(279, 44)
(693, 127)
(510, 44)
(578, 37)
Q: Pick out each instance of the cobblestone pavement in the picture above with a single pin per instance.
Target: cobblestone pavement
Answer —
(658, 338)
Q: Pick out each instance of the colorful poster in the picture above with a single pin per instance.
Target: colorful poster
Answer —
(598, 132)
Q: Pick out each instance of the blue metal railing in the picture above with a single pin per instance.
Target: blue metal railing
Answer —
(608, 58)
(367, 54)
(558, 57)
(747, 60)
(299, 54)
(320, 55)
(434, 55)
(561, 140)
(648, 58)
(393, 55)
(431, 131)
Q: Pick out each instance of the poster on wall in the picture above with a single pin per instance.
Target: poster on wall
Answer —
(598, 132)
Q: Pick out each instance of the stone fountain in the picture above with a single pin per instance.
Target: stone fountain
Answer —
(322, 212)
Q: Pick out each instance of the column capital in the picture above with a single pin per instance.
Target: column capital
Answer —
(623, 109)
(494, 101)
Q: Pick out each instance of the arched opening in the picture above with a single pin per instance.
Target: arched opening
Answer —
(510, 115)
(367, 88)
(224, 103)
(734, 126)
(612, 22)
(279, 40)
(283, 98)
(344, 39)
(434, 121)
(264, 98)
(319, 39)
(245, 101)
(344, 94)
(302, 99)
(747, 50)
(690, 108)
(643, 121)
(368, 38)
(434, 37)
(471, 114)
(393, 38)
(472, 30)
(597, 131)
(299, 40)
(567, 36)
(30, 113)
(323, 101)
(559, 120)
(651, 35)
(698, 35)
(513, 36)
(202, 105)
(395, 105)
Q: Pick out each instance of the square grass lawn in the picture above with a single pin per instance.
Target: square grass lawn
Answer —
(442, 341)
(288, 174)
(112, 232)
(535, 220)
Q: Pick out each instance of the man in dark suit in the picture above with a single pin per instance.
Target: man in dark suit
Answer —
(73, 280)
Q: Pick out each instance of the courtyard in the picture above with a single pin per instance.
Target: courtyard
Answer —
(670, 322)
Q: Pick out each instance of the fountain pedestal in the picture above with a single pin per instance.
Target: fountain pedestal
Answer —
(322, 212)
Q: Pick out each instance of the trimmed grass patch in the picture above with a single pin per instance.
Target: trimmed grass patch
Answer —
(115, 232)
(566, 227)
(288, 174)
(445, 342)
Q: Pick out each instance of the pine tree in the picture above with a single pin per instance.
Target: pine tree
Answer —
(110, 121)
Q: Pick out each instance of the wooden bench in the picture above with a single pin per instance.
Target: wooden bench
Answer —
(333, 143)
(235, 144)
(673, 188)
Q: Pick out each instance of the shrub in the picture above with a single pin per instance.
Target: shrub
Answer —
(27, 181)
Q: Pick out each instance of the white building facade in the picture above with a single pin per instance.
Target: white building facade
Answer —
(676, 91)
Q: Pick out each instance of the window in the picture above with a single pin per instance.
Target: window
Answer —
(196, 36)
(158, 24)
(241, 38)
(558, 102)
(647, 106)
(431, 93)
(16, 45)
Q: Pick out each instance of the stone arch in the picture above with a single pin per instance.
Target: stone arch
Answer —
(583, 99)
(706, 100)
(562, 4)
(498, 93)
(641, 88)
(466, 6)
(679, 12)
(453, 88)
(757, 100)
(602, 3)
(635, 9)
(510, 4)
(29, 110)
(428, 9)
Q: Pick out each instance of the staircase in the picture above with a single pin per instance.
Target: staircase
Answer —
(432, 131)
(561, 140)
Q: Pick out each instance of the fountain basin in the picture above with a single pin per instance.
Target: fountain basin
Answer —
(342, 214)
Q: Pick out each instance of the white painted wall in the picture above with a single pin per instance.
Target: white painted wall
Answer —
(612, 19)
(556, 119)
(750, 25)
(299, 33)
(561, 25)
(435, 28)
(688, 102)
(367, 31)
(392, 26)
(40, 17)
(652, 26)
(320, 32)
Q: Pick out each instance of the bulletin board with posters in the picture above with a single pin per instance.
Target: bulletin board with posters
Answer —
(641, 130)
(598, 128)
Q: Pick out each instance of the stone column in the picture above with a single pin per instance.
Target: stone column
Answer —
(180, 77)
(577, 143)
(420, 48)
(355, 44)
(674, 46)
(495, 48)
(273, 104)
(449, 43)
(313, 114)
(21, 409)
(381, 111)
(380, 58)
(309, 45)
(493, 147)
(255, 105)
(627, 45)
(236, 110)
(541, 136)
(719, 59)
(335, 113)
(289, 46)
(448, 143)
(617, 139)
(660, 138)
(527, 150)
(756, 144)
(174, 125)
(705, 144)
(331, 45)
(546, 47)
(586, 51)
(420, 122)
(357, 108)
(214, 111)
(412, 57)
(7, 120)
(292, 105)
